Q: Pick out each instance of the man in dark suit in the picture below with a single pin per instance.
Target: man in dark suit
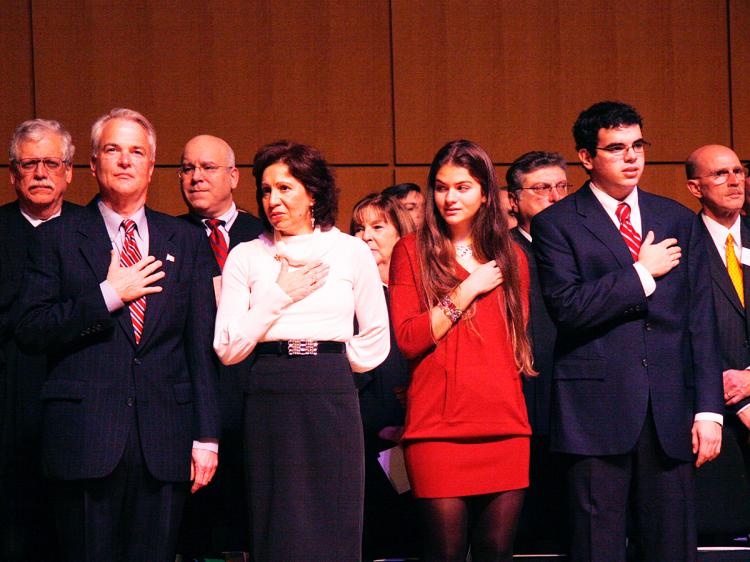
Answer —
(41, 157)
(637, 378)
(535, 181)
(115, 294)
(716, 178)
(216, 518)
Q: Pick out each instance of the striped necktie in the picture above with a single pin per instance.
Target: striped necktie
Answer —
(129, 256)
(734, 269)
(629, 234)
(218, 242)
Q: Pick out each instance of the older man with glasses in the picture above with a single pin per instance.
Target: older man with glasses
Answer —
(717, 179)
(535, 181)
(41, 167)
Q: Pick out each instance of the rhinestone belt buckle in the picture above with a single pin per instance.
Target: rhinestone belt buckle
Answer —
(302, 347)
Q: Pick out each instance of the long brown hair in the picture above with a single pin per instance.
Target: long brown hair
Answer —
(491, 240)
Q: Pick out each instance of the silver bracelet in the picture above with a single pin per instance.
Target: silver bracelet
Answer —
(450, 309)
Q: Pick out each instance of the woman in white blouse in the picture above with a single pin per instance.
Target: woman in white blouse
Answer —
(291, 296)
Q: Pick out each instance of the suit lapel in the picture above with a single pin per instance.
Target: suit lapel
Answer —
(161, 245)
(651, 220)
(96, 247)
(745, 235)
(597, 221)
(243, 230)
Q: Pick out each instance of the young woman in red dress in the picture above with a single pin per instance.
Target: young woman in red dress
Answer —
(459, 295)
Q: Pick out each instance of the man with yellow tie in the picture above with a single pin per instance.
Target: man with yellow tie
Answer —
(717, 179)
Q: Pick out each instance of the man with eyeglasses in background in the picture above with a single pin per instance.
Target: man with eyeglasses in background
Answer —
(535, 181)
(41, 167)
(716, 178)
(637, 389)
(216, 517)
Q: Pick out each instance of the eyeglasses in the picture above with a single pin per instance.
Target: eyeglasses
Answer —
(721, 177)
(620, 149)
(210, 169)
(29, 165)
(545, 189)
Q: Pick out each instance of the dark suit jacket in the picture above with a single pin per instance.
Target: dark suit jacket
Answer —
(98, 378)
(246, 227)
(616, 349)
(538, 390)
(21, 375)
(722, 489)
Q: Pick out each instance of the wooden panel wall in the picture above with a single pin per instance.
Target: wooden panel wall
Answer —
(379, 85)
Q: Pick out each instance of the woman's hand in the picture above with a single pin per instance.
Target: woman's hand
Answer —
(303, 281)
(482, 280)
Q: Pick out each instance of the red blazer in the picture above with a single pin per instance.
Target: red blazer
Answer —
(466, 384)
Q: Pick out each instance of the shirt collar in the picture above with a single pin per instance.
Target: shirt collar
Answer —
(719, 233)
(35, 221)
(610, 203)
(113, 220)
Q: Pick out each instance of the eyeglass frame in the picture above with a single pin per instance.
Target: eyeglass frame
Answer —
(742, 176)
(616, 152)
(20, 164)
(545, 189)
(210, 170)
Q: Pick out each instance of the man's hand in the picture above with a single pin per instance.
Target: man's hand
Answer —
(131, 283)
(706, 441)
(202, 468)
(736, 385)
(659, 259)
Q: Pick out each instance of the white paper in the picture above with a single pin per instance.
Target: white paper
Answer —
(392, 461)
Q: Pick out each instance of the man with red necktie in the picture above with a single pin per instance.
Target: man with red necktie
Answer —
(116, 296)
(216, 518)
(637, 390)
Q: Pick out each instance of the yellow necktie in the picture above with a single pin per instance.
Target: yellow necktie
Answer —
(734, 269)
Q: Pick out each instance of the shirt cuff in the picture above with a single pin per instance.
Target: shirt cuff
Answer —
(207, 445)
(647, 280)
(745, 407)
(111, 298)
(710, 416)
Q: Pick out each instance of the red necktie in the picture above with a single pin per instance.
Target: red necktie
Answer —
(129, 256)
(218, 242)
(631, 237)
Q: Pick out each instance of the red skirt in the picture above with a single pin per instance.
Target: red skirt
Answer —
(467, 467)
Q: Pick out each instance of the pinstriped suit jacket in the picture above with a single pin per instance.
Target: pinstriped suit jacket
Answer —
(98, 378)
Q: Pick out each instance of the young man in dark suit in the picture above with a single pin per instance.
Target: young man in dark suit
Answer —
(115, 294)
(216, 518)
(41, 167)
(637, 388)
(717, 179)
(535, 181)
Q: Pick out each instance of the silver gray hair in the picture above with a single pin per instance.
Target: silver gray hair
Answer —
(129, 115)
(35, 130)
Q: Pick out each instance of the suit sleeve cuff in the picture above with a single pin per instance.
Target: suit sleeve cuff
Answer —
(647, 280)
(207, 445)
(709, 416)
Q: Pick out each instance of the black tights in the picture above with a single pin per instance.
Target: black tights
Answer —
(487, 523)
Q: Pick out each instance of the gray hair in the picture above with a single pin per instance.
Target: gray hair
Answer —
(129, 115)
(35, 130)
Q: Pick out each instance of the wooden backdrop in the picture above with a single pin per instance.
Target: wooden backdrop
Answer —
(378, 85)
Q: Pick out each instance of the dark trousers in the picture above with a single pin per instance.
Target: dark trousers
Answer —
(660, 492)
(126, 516)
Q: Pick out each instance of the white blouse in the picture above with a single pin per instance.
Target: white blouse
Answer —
(253, 308)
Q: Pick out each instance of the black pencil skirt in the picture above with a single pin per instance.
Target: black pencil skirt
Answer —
(303, 458)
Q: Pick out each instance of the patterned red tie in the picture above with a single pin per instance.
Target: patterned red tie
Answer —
(631, 237)
(218, 242)
(129, 256)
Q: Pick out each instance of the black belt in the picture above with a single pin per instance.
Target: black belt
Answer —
(300, 347)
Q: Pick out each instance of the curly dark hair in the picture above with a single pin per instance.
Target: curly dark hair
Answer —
(307, 165)
(602, 115)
